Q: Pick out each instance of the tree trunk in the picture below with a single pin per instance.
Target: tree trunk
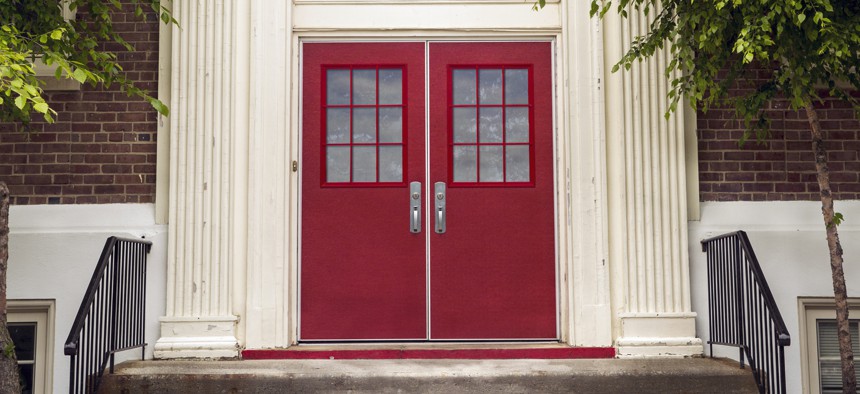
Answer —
(846, 353)
(8, 363)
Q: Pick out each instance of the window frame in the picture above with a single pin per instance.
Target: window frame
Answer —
(40, 312)
(45, 73)
(324, 125)
(810, 310)
(477, 144)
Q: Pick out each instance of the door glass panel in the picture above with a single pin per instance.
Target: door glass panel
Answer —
(491, 86)
(491, 124)
(503, 143)
(517, 124)
(337, 125)
(364, 125)
(516, 86)
(390, 163)
(517, 163)
(390, 124)
(363, 87)
(464, 86)
(364, 164)
(337, 87)
(491, 164)
(390, 86)
(337, 164)
(465, 124)
(465, 158)
(364, 112)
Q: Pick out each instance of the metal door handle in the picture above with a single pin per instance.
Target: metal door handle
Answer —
(415, 207)
(440, 207)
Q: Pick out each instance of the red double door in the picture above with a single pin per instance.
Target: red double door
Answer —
(420, 225)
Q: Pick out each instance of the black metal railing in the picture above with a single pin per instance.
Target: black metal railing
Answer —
(742, 310)
(111, 318)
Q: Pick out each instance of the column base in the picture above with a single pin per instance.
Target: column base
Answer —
(197, 337)
(658, 335)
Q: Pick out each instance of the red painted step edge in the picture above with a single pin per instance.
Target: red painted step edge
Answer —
(429, 354)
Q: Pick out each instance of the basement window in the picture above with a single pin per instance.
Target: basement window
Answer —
(819, 344)
(30, 324)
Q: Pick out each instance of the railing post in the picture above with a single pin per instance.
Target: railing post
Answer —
(739, 299)
(117, 255)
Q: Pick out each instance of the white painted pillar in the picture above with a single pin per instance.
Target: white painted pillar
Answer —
(204, 189)
(647, 197)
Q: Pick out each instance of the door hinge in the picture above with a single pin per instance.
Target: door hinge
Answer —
(295, 166)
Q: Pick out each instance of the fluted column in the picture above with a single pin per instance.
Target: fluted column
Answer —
(648, 202)
(199, 321)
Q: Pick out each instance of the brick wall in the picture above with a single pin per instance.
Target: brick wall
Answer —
(102, 147)
(783, 167)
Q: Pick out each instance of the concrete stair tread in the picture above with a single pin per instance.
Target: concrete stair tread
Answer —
(690, 375)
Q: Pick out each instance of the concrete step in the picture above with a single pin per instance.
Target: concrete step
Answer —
(696, 375)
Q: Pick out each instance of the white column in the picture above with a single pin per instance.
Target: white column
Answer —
(272, 184)
(199, 320)
(647, 197)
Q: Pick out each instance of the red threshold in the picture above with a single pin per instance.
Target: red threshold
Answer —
(429, 354)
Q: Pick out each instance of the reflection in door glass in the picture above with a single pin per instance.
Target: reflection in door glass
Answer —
(364, 164)
(364, 125)
(491, 164)
(490, 85)
(516, 86)
(465, 124)
(491, 124)
(464, 164)
(464, 86)
(390, 124)
(517, 124)
(390, 163)
(390, 86)
(337, 164)
(337, 87)
(337, 125)
(364, 86)
(517, 163)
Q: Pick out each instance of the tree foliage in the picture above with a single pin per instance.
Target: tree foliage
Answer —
(36, 31)
(809, 47)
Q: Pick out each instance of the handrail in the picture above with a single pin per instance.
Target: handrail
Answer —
(742, 310)
(111, 317)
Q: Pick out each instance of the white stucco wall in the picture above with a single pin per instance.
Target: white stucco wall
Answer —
(53, 250)
(789, 241)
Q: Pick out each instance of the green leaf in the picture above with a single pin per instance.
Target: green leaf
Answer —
(57, 34)
(20, 101)
(79, 75)
(41, 107)
(838, 218)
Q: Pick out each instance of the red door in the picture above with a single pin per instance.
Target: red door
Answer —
(492, 272)
(490, 237)
(362, 269)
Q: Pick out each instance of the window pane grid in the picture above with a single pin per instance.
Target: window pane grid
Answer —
(355, 157)
(486, 130)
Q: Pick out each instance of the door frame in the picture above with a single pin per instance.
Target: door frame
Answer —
(295, 282)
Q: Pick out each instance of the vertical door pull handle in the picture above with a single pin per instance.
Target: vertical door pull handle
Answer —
(415, 207)
(440, 198)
